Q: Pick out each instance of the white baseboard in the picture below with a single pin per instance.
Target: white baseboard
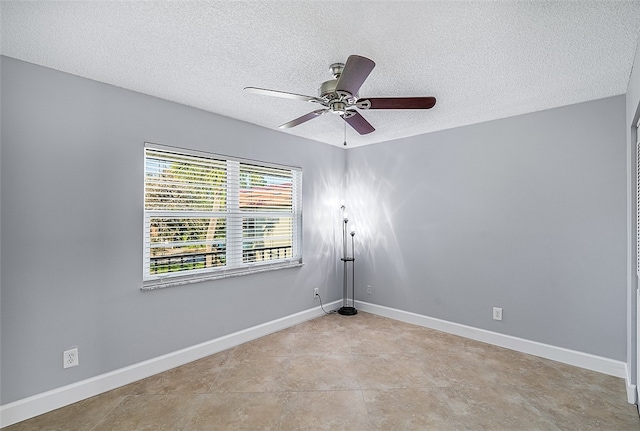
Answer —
(559, 354)
(35, 405)
(632, 389)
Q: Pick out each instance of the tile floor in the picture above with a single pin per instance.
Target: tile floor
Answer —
(361, 372)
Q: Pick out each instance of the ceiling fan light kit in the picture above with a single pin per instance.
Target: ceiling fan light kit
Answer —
(340, 96)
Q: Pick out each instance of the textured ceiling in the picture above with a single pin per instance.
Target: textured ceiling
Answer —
(482, 60)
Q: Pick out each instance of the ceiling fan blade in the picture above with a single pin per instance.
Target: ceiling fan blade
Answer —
(284, 94)
(397, 103)
(355, 71)
(358, 122)
(303, 119)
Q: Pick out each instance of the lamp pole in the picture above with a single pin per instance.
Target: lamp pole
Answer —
(347, 310)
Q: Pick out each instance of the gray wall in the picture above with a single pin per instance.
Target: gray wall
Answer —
(526, 213)
(72, 217)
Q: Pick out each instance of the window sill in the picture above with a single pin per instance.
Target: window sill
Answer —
(176, 280)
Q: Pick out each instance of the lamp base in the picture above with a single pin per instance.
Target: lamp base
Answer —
(347, 311)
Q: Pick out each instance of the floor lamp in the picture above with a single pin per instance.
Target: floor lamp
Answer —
(346, 309)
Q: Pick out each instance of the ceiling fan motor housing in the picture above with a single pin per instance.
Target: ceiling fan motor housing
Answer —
(327, 90)
(337, 103)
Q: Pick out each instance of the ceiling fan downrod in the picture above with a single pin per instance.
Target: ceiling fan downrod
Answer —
(336, 70)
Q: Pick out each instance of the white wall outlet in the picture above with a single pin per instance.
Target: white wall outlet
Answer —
(368, 289)
(316, 294)
(497, 313)
(70, 358)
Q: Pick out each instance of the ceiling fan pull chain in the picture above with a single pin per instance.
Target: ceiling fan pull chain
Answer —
(345, 134)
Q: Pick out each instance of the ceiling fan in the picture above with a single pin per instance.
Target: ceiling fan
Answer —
(340, 96)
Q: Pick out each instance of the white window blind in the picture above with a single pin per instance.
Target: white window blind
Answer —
(208, 216)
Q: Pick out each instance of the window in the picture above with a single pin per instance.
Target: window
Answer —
(208, 216)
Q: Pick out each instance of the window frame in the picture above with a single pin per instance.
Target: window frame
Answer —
(233, 215)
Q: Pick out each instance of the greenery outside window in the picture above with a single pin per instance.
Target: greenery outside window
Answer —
(208, 216)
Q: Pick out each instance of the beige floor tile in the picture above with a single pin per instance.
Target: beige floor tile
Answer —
(237, 411)
(322, 373)
(366, 322)
(419, 341)
(409, 409)
(448, 369)
(494, 409)
(389, 371)
(277, 344)
(331, 323)
(574, 409)
(375, 341)
(193, 378)
(324, 410)
(150, 413)
(319, 343)
(261, 374)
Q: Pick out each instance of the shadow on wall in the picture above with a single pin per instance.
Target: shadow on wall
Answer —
(400, 211)
(369, 202)
(321, 229)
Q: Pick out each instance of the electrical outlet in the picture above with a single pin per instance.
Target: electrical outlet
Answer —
(316, 294)
(497, 313)
(70, 358)
(368, 289)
